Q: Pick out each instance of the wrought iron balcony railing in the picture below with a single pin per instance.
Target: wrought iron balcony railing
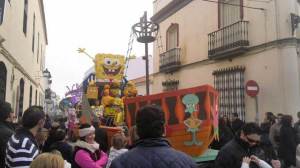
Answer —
(169, 61)
(228, 41)
(170, 85)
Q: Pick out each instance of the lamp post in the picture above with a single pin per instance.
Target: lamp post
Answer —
(145, 32)
(47, 75)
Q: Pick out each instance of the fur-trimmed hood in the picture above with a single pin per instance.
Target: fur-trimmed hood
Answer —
(91, 147)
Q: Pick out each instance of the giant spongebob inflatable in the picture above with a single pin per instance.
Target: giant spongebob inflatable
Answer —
(109, 67)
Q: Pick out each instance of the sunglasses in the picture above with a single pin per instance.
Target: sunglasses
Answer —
(252, 140)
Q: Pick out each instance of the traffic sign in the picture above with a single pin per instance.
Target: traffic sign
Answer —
(252, 88)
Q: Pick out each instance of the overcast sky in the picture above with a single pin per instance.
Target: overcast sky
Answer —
(100, 26)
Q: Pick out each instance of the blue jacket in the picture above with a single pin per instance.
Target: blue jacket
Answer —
(153, 153)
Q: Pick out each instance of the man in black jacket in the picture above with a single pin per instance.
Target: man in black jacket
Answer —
(6, 128)
(152, 150)
(231, 155)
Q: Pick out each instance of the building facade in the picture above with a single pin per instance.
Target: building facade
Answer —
(22, 53)
(226, 43)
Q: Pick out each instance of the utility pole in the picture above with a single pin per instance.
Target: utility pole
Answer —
(146, 32)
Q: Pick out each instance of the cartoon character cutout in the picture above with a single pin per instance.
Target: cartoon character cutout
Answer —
(109, 67)
(193, 123)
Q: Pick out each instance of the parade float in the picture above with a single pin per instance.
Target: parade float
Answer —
(191, 118)
(191, 115)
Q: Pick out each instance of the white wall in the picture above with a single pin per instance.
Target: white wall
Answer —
(18, 46)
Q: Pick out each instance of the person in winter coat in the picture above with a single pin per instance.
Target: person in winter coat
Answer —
(265, 142)
(101, 137)
(118, 147)
(61, 145)
(297, 128)
(236, 123)
(287, 142)
(50, 140)
(22, 147)
(152, 150)
(298, 156)
(275, 132)
(6, 128)
(87, 153)
(234, 151)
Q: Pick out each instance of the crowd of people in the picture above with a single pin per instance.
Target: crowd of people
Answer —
(37, 142)
(273, 143)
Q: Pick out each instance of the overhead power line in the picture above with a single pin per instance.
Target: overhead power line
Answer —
(234, 5)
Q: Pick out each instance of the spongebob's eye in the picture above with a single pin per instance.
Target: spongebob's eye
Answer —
(107, 61)
(116, 62)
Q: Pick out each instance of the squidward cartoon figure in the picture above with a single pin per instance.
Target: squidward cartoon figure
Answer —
(193, 123)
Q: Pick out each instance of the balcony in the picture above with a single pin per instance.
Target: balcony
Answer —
(170, 85)
(228, 41)
(169, 61)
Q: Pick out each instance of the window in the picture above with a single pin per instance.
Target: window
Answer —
(33, 33)
(230, 84)
(41, 61)
(36, 97)
(30, 96)
(21, 98)
(172, 36)
(25, 16)
(2, 6)
(38, 49)
(3, 76)
(170, 85)
(230, 11)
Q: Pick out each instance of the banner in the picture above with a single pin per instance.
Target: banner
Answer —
(109, 67)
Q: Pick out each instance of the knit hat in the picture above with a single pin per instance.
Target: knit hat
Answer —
(86, 131)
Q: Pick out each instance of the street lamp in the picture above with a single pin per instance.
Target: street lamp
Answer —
(46, 74)
(145, 32)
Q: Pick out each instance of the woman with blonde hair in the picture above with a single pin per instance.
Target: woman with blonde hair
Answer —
(48, 160)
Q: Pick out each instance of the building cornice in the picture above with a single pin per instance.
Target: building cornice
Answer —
(169, 10)
(42, 10)
(16, 64)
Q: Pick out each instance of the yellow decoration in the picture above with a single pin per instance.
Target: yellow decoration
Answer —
(113, 106)
(109, 67)
(119, 119)
(115, 89)
(92, 92)
(107, 100)
(130, 90)
(118, 102)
